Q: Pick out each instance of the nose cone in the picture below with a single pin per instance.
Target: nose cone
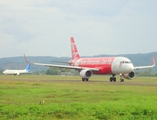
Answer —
(5, 71)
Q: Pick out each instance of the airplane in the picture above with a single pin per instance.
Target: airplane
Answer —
(17, 72)
(100, 65)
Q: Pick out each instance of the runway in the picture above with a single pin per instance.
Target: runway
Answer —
(42, 80)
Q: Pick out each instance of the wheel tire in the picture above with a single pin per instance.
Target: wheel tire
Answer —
(111, 79)
(121, 80)
(114, 79)
(87, 79)
(83, 79)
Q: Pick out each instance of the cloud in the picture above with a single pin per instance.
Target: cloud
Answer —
(44, 27)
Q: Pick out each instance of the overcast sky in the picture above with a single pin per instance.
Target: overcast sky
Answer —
(44, 27)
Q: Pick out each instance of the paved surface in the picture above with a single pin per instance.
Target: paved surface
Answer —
(126, 82)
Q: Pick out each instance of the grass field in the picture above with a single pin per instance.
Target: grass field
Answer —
(69, 98)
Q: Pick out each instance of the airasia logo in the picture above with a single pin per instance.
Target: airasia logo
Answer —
(73, 47)
(75, 54)
(74, 51)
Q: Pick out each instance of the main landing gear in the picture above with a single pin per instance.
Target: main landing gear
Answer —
(113, 78)
(85, 79)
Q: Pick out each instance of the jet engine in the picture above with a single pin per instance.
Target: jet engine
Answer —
(130, 75)
(86, 73)
(18, 74)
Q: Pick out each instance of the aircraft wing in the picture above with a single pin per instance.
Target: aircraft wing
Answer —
(65, 66)
(140, 67)
(62, 66)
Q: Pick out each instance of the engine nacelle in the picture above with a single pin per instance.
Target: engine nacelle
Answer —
(130, 75)
(86, 73)
(18, 74)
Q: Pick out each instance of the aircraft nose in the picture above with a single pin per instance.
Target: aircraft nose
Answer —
(4, 71)
(130, 68)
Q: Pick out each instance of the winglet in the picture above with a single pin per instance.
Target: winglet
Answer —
(26, 59)
(153, 62)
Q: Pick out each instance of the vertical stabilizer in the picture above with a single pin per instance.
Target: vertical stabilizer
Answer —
(74, 51)
(28, 67)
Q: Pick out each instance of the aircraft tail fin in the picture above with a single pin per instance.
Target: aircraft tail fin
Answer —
(28, 67)
(74, 51)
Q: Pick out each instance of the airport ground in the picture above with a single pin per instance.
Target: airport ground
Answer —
(67, 97)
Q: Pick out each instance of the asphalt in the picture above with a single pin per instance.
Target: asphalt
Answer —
(126, 82)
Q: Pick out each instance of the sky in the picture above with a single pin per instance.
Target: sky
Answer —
(44, 27)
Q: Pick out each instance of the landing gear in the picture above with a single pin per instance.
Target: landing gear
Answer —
(113, 78)
(85, 79)
(121, 78)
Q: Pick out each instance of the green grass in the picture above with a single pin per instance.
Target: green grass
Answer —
(96, 100)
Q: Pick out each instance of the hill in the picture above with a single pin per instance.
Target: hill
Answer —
(139, 59)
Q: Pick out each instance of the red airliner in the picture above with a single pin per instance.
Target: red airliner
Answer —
(100, 65)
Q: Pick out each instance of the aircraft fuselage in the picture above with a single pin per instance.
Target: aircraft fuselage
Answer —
(106, 65)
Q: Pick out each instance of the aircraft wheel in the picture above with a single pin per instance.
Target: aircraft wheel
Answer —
(87, 79)
(111, 79)
(83, 79)
(121, 80)
(114, 79)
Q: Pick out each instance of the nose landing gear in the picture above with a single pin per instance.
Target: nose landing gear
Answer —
(85, 79)
(121, 78)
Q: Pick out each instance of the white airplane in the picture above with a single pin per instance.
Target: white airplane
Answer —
(17, 72)
(102, 65)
